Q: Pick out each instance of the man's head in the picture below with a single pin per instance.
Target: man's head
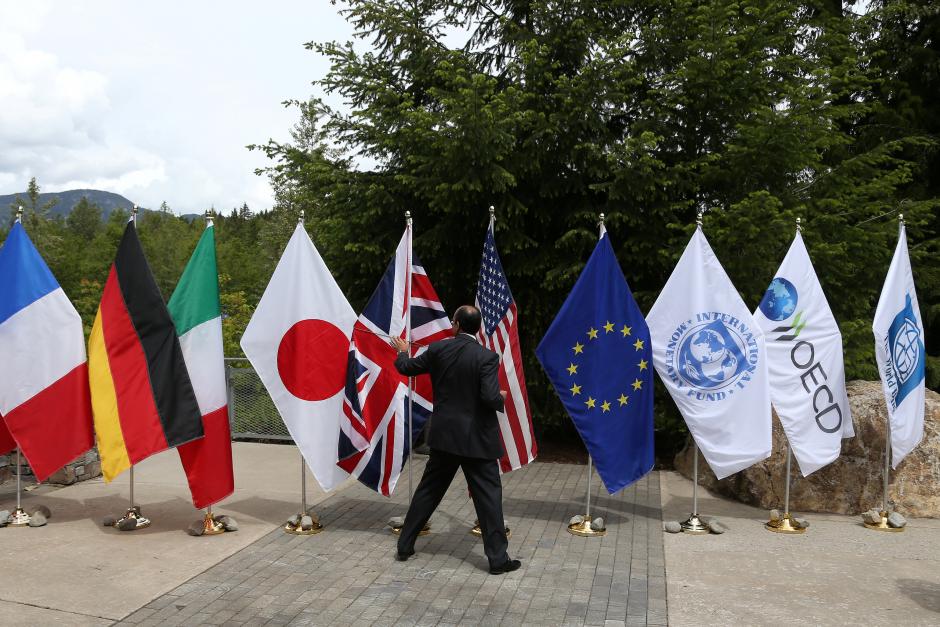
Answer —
(467, 319)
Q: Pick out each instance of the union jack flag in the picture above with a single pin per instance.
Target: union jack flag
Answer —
(500, 333)
(372, 444)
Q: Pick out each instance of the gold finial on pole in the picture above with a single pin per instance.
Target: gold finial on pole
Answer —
(698, 218)
(19, 213)
(134, 215)
(600, 220)
(492, 212)
(799, 224)
(300, 220)
(901, 219)
(210, 219)
(408, 218)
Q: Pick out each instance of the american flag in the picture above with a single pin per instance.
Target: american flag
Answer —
(372, 444)
(500, 333)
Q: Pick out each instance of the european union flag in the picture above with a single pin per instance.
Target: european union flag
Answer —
(597, 354)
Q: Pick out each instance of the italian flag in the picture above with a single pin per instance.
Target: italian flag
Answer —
(197, 315)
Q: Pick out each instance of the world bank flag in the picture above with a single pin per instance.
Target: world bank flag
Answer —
(597, 355)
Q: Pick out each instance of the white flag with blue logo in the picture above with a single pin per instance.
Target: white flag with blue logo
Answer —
(709, 352)
(804, 357)
(899, 350)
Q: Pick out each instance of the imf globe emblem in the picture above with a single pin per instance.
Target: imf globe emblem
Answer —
(711, 356)
(779, 302)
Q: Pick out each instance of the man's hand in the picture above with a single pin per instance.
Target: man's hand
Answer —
(398, 344)
(503, 393)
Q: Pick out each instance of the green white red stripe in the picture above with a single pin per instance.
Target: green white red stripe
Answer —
(197, 314)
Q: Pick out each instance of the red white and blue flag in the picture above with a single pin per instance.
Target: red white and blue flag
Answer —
(500, 333)
(372, 444)
(44, 396)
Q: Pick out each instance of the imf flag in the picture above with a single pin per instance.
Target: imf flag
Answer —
(597, 355)
(899, 350)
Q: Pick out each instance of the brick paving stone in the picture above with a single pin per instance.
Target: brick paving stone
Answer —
(348, 575)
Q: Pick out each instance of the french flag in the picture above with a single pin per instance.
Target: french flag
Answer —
(44, 396)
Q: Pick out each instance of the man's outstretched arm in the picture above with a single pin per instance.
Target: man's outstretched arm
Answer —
(410, 366)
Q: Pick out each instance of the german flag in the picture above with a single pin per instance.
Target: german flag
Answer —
(141, 394)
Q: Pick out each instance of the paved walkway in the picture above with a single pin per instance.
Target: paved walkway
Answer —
(348, 575)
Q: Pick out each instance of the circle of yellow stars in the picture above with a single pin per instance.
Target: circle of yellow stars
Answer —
(578, 348)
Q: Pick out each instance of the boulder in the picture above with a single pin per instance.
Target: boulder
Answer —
(800, 523)
(396, 522)
(774, 515)
(108, 521)
(45, 511)
(598, 524)
(4, 517)
(871, 517)
(294, 520)
(576, 520)
(306, 523)
(672, 526)
(852, 483)
(896, 520)
(196, 528)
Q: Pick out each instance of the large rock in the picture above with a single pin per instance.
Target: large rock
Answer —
(854, 482)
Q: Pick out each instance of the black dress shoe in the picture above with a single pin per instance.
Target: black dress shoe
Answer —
(506, 567)
(402, 557)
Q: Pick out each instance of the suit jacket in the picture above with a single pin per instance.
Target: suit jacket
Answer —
(465, 379)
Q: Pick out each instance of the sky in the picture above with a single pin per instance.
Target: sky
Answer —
(154, 100)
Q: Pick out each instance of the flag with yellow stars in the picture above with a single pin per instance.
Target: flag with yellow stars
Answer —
(597, 355)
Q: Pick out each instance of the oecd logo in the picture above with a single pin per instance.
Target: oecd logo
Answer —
(713, 356)
(905, 348)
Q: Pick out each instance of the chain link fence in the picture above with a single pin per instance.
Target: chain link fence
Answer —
(251, 412)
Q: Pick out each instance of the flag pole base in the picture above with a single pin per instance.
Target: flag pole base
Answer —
(133, 514)
(883, 524)
(584, 529)
(784, 525)
(396, 529)
(694, 526)
(478, 531)
(211, 527)
(19, 518)
(297, 529)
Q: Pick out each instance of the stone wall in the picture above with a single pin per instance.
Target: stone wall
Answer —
(854, 482)
(87, 466)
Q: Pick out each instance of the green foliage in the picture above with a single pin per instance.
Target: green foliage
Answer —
(758, 111)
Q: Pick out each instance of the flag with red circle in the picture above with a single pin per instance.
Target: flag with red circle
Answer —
(297, 342)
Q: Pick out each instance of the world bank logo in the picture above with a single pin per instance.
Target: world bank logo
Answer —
(715, 353)
(906, 349)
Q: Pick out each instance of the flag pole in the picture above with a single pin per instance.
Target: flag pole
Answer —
(581, 525)
(396, 528)
(477, 530)
(693, 524)
(211, 526)
(883, 525)
(786, 524)
(132, 520)
(302, 524)
(19, 518)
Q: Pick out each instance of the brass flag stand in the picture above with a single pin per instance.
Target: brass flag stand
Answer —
(693, 524)
(19, 517)
(296, 524)
(584, 527)
(785, 524)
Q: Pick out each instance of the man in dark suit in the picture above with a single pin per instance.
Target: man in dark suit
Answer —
(463, 433)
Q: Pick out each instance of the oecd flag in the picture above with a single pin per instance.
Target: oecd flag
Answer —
(899, 350)
(709, 353)
(597, 355)
(804, 358)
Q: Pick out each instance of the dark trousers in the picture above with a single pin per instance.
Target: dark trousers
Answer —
(486, 490)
